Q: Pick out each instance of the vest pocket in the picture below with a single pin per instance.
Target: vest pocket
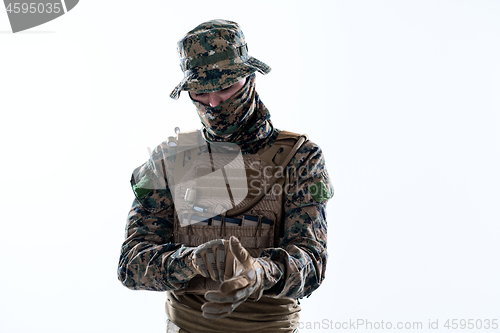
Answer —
(251, 237)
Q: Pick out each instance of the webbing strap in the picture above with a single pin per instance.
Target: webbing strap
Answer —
(188, 63)
(295, 148)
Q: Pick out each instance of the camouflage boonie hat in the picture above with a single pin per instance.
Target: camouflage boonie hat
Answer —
(214, 55)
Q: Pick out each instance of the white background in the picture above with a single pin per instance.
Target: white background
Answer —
(403, 97)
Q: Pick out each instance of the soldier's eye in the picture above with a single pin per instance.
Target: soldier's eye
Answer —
(226, 89)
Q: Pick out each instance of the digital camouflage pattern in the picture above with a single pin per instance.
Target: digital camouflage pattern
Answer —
(214, 56)
(150, 261)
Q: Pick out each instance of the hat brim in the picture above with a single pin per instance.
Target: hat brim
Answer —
(211, 78)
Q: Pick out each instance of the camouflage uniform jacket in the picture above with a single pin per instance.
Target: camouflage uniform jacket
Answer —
(149, 259)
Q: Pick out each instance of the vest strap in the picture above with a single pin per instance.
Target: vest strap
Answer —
(295, 148)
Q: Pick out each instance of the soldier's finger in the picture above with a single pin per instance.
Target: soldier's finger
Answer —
(229, 270)
(218, 297)
(212, 266)
(217, 308)
(211, 311)
(244, 293)
(221, 261)
(239, 251)
(234, 284)
(202, 265)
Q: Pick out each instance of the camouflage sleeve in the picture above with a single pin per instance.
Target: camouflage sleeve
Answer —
(297, 267)
(148, 259)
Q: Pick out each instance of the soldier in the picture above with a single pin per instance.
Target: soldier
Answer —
(229, 220)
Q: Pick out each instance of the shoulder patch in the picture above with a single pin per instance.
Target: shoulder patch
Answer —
(148, 181)
(319, 191)
(143, 187)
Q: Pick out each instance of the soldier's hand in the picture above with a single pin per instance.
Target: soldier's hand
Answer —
(248, 281)
(209, 259)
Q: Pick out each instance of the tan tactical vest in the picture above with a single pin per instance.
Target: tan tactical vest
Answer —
(219, 196)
